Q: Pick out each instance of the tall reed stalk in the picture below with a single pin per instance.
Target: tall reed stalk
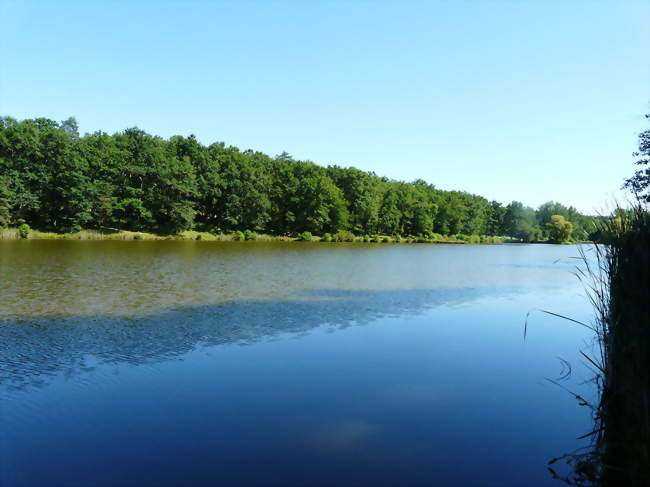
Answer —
(618, 287)
(624, 437)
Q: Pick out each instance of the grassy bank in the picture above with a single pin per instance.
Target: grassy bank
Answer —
(14, 234)
(344, 236)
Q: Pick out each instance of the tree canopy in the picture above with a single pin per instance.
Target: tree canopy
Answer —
(639, 183)
(54, 179)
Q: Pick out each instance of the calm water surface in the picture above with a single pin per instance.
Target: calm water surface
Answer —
(267, 364)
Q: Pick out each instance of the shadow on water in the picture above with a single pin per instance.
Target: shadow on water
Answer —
(37, 349)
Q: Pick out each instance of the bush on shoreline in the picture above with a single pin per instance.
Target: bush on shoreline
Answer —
(23, 230)
(248, 235)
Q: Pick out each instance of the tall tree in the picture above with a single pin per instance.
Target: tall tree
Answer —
(639, 183)
(54, 179)
(559, 229)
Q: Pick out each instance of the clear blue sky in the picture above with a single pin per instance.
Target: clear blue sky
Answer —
(524, 100)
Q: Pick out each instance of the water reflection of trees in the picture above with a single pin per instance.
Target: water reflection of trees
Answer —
(37, 349)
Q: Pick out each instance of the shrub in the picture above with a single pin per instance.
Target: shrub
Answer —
(5, 218)
(343, 236)
(385, 239)
(239, 236)
(366, 238)
(137, 236)
(397, 238)
(492, 240)
(327, 237)
(248, 235)
(305, 237)
(23, 230)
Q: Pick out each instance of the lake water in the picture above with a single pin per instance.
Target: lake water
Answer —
(174, 363)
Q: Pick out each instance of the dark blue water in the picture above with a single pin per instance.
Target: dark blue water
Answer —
(197, 363)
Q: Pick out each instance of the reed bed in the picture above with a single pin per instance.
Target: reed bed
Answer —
(624, 411)
(341, 236)
(9, 234)
(618, 286)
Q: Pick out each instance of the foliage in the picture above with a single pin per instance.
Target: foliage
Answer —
(559, 229)
(5, 210)
(327, 237)
(618, 285)
(625, 399)
(58, 181)
(343, 236)
(23, 230)
(305, 237)
(5, 216)
(616, 280)
(248, 235)
(639, 183)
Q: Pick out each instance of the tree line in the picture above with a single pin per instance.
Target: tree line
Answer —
(56, 180)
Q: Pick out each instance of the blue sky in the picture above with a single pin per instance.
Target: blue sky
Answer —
(513, 100)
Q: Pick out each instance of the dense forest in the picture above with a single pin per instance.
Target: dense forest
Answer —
(53, 179)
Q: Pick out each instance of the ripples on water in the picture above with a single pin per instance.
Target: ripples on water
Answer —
(436, 389)
(40, 347)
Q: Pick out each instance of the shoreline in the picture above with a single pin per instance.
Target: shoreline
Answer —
(341, 237)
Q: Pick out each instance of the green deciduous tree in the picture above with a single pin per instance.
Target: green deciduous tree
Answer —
(559, 229)
(639, 183)
(54, 179)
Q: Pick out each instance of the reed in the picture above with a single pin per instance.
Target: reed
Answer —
(9, 234)
(624, 313)
(618, 286)
(341, 236)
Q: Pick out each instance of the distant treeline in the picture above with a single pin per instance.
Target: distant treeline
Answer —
(55, 180)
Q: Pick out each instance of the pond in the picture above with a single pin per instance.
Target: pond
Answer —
(174, 363)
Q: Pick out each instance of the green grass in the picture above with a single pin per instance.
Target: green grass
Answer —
(340, 236)
(9, 234)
